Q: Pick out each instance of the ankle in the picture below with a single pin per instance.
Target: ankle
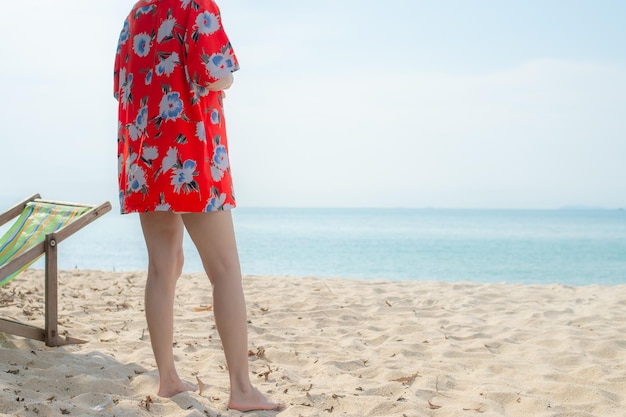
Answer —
(169, 376)
(243, 387)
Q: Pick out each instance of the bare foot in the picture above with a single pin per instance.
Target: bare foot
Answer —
(175, 388)
(252, 400)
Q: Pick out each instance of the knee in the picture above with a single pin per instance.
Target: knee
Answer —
(168, 266)
(221, 270)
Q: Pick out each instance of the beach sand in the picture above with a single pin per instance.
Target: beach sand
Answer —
(326, 347)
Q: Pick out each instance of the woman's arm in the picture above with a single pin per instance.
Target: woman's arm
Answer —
(222, 84)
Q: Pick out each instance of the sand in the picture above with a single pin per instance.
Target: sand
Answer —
(326, 347)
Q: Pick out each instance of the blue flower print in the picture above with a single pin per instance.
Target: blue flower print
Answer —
(182, 178)
(221, 61)
(126, 81)
(215, 117)
(216, 203)
(149, 77)
(189, 165)
(166, 66)
(145, 10)
(171, 106)
(136, 179)
(134, 184)
(121, 197)
(197, 91)
(185, 3)
(220, 157)
(142, 44)
(219, 65)
(142, 118)
(124, 35)
(207, 23)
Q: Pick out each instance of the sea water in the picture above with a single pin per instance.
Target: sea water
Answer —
(570, 247)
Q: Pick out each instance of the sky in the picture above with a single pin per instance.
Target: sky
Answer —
(345, 103)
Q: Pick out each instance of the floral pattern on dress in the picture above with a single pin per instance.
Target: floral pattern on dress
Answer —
(172, 144)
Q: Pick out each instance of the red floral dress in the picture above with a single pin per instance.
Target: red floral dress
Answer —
(172, 148)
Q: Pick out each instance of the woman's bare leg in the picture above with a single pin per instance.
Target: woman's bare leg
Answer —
(214, 237)
(163, 233)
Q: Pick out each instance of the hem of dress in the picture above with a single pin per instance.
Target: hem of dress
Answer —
(122, 211)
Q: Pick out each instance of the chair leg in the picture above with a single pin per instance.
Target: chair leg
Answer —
(51, 329)
(51, 292)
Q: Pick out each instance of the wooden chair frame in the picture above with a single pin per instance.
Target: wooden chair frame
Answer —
(48, 246)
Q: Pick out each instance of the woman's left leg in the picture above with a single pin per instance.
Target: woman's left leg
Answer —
(214, 237)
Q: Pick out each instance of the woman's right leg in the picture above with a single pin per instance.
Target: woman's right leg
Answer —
(163, 233)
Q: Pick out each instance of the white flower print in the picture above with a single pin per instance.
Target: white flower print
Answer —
(126, 83)
(220, 157)
(142, 118)
(216, 203)
(207, 23)
(200, 132)
(167, 66)
(185, 3)
(136, 179)
(134, 132)
(170, 160)
(120, 163)
(163, 207)
(145, 9)
(165, 29)
(137, 129)
(150, 153)
(124, 35)
(198, 90)
(142, 44)
(130, 161)
(219, 163)
(216, 173)
(182, 178)
(220, 65)
(171, 106)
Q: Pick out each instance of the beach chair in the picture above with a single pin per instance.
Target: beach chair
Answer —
(40, 226)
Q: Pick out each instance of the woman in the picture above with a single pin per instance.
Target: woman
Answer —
(172, 64)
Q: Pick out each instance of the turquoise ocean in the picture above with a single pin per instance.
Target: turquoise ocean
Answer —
(569, 247)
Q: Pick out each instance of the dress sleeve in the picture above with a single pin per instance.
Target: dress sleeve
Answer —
(209, 54)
